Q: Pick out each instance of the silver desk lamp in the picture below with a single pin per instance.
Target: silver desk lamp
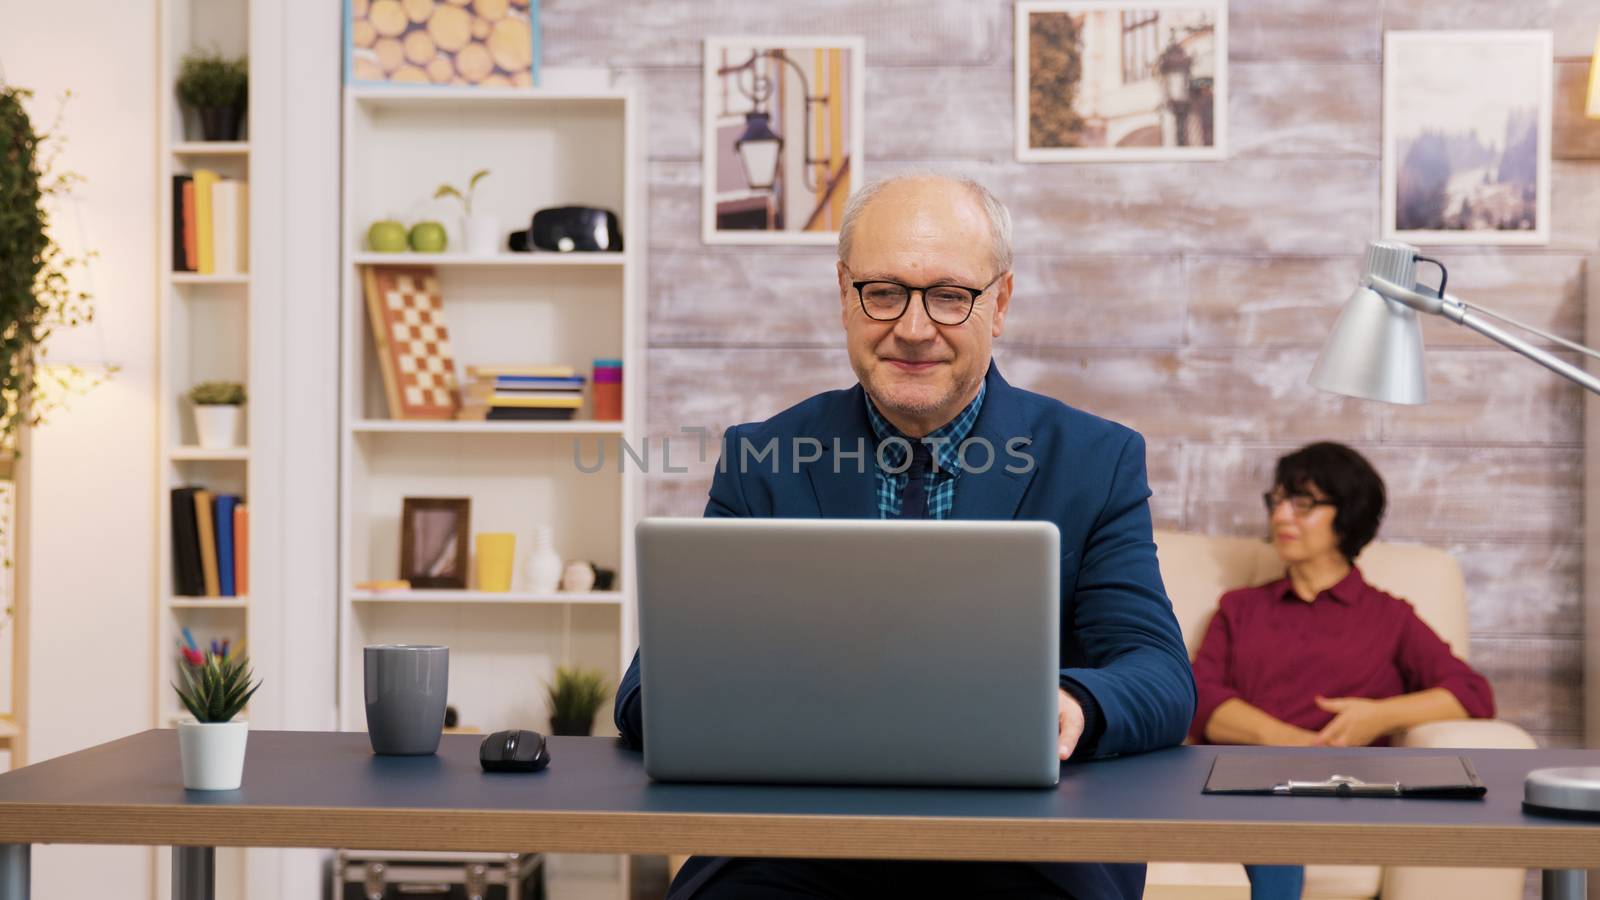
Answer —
(1375, 353)
(1375, 350)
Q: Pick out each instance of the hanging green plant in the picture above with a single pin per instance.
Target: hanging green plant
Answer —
(35, 291)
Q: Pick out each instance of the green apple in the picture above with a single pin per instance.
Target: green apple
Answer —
(427, 237)
(387, 236)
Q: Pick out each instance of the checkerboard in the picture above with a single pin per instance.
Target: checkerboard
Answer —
(407, 312)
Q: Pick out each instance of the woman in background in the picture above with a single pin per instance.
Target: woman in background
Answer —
(1320, 657)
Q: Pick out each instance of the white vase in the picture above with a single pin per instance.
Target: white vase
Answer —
(482, 234)
(217, 425)
(212, 754)
(541, 570)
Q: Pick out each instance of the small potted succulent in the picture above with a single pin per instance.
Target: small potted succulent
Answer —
(575, 698)
(211, 745)
(216, 412)
(216, 88)
(480, 231)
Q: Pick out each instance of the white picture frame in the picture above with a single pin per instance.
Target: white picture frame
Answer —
(1134, 118)
(1500, 69)
(725, 193)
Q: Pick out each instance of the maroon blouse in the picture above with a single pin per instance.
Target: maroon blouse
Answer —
(1277, 653)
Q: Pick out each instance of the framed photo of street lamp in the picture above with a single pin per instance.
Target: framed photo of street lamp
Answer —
(1108, 80)
(783, 137)
(1466, 136)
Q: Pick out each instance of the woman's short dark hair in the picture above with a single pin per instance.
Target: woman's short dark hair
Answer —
(1345, 478)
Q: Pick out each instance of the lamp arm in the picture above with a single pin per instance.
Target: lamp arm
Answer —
(1552, 338)
(1558, 366)
(1472, 317)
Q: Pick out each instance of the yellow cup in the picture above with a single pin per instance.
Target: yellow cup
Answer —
(496, 550)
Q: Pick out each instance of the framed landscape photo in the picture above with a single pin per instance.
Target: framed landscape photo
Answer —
(1466, 136)
(783, 137)
(433, 541)
(1114, 80)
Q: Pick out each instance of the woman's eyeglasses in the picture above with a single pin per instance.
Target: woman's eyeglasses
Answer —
(1301, 503)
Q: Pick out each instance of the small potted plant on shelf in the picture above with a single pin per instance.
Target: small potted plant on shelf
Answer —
(211, 745)
(575, 698)
(481, 232)
(216, 89)
(216, 412)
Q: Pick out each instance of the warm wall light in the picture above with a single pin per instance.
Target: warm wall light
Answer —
(1593, 110)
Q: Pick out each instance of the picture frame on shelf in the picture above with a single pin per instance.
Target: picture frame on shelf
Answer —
(784, 137)
(1121, 80)
(418, 43)
(1466, 137)
(434, 534)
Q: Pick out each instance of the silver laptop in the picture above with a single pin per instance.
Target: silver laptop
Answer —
(846, 651)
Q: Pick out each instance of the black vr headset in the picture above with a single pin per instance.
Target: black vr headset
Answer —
(565, 229)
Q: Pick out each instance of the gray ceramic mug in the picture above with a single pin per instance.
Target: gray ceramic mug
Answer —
(406, 686)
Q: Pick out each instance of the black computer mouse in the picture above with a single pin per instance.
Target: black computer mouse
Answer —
(513, 751)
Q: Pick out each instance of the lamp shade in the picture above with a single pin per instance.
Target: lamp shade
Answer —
(1593, 109)
(758, 151)
(1374, 352)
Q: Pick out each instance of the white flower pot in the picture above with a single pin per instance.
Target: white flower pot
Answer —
(212, 754)
(217, 426)
(482, 234)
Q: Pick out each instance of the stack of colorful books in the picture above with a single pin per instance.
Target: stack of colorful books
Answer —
(521, 393)
(210, 544)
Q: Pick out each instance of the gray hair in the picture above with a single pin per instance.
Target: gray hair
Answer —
(999, 216)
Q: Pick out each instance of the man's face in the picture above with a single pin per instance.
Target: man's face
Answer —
(922, 233)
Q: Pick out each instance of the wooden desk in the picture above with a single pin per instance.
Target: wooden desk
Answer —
(305, 789)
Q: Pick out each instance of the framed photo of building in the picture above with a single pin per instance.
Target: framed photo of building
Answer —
(1114, 80)
(433, 541)
(1466, 136)
(783, 137)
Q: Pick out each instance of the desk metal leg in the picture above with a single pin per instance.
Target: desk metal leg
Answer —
(194, 873)
(14, 871)
(1564, 884)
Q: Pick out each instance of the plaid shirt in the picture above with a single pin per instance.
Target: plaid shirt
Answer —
(941, 480)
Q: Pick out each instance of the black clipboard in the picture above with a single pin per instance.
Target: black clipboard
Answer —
(1370, 775)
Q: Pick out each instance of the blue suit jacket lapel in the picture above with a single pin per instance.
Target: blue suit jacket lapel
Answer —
(846, 488)
(995, 493)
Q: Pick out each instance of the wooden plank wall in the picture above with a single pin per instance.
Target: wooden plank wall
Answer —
(1187, 300)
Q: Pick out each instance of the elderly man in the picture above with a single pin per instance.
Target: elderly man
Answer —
(924, 287)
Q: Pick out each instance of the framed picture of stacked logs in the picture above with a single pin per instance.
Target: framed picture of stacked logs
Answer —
(477, 43)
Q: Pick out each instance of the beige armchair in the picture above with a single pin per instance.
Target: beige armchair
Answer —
(1197, 570)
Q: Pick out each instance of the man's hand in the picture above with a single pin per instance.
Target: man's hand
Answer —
(1357, 722)
(1071, 723)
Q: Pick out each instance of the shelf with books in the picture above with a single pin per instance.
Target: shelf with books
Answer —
(209, 602)
(197, 278)
(552, 319)
(448, 597)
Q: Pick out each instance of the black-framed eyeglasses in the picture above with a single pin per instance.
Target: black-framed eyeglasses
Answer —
(946, 304)
(1301, 503)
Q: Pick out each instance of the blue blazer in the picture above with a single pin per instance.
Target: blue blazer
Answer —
(1119, 639)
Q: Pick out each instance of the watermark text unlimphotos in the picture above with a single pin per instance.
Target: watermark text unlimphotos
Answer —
(748, 455)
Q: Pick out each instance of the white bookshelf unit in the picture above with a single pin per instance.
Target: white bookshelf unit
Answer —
(205, 335)
(543, 147)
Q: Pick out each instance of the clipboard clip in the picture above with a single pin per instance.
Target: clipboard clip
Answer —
(1338, 786)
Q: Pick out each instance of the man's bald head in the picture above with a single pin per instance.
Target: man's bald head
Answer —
(896, 186)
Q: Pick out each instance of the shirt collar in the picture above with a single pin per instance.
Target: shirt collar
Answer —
(1347, 591)
(949, 435)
